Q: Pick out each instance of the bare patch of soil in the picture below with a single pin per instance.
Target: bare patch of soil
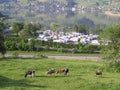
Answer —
(65, 57)
(93, 58)
(109, 13)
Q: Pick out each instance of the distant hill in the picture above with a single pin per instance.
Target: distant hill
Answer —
(104, 3)
(66, 12)
(1, 15)
(2, 1)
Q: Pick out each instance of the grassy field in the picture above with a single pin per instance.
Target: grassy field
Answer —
(52, 53)
(80, 77)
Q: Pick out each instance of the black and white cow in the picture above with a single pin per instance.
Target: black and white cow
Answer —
(98, 73)
(30, 73)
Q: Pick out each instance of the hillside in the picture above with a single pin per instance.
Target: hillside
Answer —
(77, 1)
(62, 11)
(101, 3)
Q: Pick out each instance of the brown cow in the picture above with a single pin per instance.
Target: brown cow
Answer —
(63, 70)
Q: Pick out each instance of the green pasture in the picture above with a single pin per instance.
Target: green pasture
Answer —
(80, 77)
(51, 53)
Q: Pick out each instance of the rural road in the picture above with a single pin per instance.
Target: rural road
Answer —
(93, 58)
(65, 57)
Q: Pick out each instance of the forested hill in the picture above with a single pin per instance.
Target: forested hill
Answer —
(62, 11)
(2, 1)
(115, 3)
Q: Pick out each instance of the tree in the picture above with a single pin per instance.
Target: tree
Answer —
(83, 29)
(24, 33)
(112, 36)
(98, 29)
(54, 26)
(31, 28)
(75, 28)
(111, 52)
(2, 27)
(36, 27)
(17, 27)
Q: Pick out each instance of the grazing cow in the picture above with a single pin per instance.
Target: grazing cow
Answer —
(51, 71)
(98, 73)
(30, 73)
(63, 70)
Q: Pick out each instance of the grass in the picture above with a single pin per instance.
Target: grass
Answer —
(52, 53)
(80, 77)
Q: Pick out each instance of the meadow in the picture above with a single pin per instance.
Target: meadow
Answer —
(81, 75)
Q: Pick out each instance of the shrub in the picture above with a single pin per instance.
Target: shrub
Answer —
(113, 66)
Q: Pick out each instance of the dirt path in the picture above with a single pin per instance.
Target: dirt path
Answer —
(21, 55)
(93, 58)
(109, 13)
(65, 57)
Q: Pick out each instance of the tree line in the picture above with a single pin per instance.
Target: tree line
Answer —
(30, 29)
(21, 32)
(16, 43)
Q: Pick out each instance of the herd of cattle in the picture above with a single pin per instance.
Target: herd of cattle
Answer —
(59, 71)
(50, 72)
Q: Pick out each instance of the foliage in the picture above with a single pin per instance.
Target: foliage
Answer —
(98, 29)
(88, 48)
(54, 26)
(15, 43)
(29, 30)
(17, 27)
(113, 66)
(2, 27)
(23, 44)
(111, 35)
(24, 33)
(31, 46)
(111, 52)
(75, 28)
(83, 29)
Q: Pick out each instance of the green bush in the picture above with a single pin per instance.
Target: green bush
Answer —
(113, 66)
(16, 43)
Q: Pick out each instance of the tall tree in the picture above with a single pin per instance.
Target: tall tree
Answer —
(111, 52)
(30, 29)
(2, 27)
(36, 27)
(17, 27)
(54, 26)
(83, 29)
(75, 28)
